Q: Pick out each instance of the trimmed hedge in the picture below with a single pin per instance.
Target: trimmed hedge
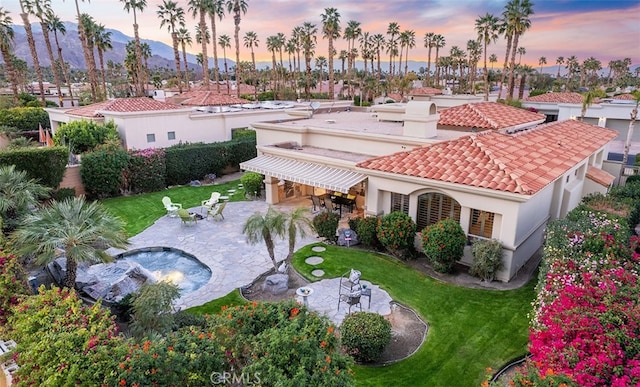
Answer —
(146, 171)
(47, 165)
(102, 172)
(25, 118)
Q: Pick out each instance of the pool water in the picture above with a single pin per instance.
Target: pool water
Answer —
(174, 265)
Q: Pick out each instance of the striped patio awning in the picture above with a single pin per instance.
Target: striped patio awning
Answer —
(304, 172)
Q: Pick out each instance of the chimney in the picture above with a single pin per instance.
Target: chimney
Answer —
(420, 119)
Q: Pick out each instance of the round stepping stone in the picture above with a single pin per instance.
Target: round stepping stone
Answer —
(317, 273)
(318, 249)
(314, 260)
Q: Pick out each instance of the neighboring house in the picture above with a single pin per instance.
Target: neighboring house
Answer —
(146, 123)
(476, 117)
(497, 185)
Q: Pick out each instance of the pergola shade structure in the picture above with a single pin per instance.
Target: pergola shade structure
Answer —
(316, 175)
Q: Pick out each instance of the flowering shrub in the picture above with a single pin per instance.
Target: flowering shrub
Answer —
(326, 224)
(443, 243)
(146, 171)
(366, 230)
(365, 335)
(13, 286)
(396, 232)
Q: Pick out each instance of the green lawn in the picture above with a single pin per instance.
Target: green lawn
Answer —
(469, 329)
(141, 211)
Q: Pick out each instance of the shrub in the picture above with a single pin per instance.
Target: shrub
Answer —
(84, 136)
(146, 171)
(152, 309)
(101, 172)
(63, 193)
(487, 258)
(326, 224)
(190, 162)
(353, 224)
(443, 243)
(25, 119)
(365, 335)
(366, 230)
(46, 165)
(13, 286)
(252, 182)
(182, 319)
(238, 134)
(396, 232)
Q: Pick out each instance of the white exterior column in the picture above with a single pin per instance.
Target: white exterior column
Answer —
(271, 190)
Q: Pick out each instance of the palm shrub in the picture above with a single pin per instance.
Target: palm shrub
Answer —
(396, 232)
(443, 243)
(252, 182)
(326, 224)
(366, 229)
(17, 194)
(365, 335)
(487, 258)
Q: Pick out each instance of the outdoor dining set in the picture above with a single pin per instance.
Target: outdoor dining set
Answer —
(334, 201)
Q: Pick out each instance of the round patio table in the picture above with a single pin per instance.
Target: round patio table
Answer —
(304, 292)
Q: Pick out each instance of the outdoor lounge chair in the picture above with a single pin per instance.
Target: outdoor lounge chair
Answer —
(171, 207)
(351, 299)
(212, 201)
(187, 218)
(217, 211)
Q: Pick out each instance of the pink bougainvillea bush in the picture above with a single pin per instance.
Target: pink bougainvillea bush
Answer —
(585, 327)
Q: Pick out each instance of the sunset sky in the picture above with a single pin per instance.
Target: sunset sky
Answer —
(604, 29)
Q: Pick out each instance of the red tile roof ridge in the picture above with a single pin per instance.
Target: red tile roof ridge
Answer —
(483, 115)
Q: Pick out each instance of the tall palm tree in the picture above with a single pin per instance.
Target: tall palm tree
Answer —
(272, 46)
(184, 38)
(199, 8)
(200, 36)
(343, 57)
(627, 143)
(225, 42)
(237, 8)
(93, 80)
(351, 32)
(265, 228)
(457, 56)
(27, 9)
(55, 25)
(103, 43)
(487, 28)
(438, 42)
(72, 228)
(365, 49)
(89, 27)
(41, 8)
(251, 41)
(308, 39)
(542, 61)
(521, 51)
(559, 62)
(588, 99)
(409, 41)
(172, 16)
(474, 50)
(392, 30)
(321, 61)
(133, 6)
(331, 30)
(428, 43)
(17, 194)
(6, 48)
(215, 8)
(493, 58)
(516, 14)
(377, 42)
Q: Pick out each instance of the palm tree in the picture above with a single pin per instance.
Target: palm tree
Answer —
(351, 32)
(27, 9)
(331, 30)
(272, 46)
(559, 62)
(184, 38)
(251, 41)
(438, 42)
(103, 43)
(264, 228)
(517, 14)
(89, 27)
(378, 41)
(343, 57)
(321, 61)
(172, 16)
(42, 8)
(428, 43)
(203, 35)
(587, 100)
(542, 61)
(297, 223)
(55, 25)
(238, 8)
(17, 194)
(474, 50)
(493, 58)
(487, 28)
(199, 7)
(72, 228)
(6, 46)
(225, 42)
(365, 50)
(521, 51)
(129, 6)
(392, 31)
(93, 80)
(457, 56)
(215, 8)
(408, 39)
(308, 39)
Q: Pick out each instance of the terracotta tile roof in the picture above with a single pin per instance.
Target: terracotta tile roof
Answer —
(521, 163)
(122, 105)
(209, 98)
(487, 115)
(626, 97)
(557, 98)
(601, 177)
(395, 96)
(426, 90)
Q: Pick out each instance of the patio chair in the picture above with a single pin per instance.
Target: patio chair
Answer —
(217, 211)
(187, 218)
(209, 203)
(171, 207)
(317, 203)
(351, 299)
(331, 206)
(350, 281)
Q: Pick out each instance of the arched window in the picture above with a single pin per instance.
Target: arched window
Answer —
(433, 207)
